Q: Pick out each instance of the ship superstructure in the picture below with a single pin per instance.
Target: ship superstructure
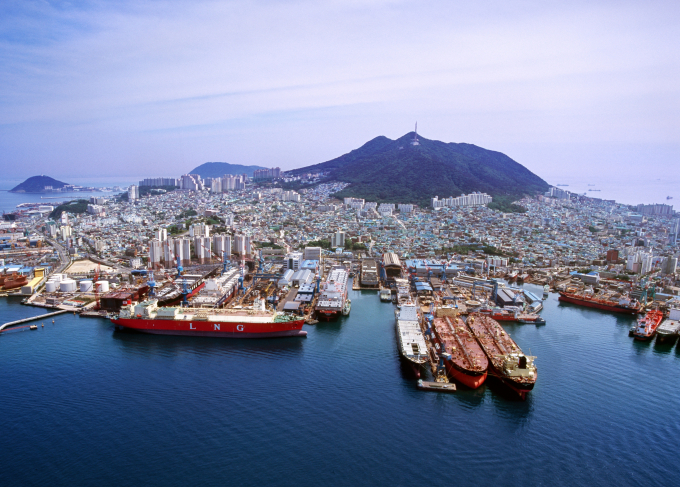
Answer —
(506, 360)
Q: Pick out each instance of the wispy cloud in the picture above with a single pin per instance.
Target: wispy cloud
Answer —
(157, 87)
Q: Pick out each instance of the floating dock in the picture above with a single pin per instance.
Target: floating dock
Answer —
(436, 386)
(32, 318)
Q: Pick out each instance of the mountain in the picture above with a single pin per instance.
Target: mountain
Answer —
(36, 184)
(396, 171)
(219, 169)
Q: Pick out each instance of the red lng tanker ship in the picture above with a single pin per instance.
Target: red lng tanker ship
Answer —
(623, 305)
(506, 360)
(255, 322)
(466, 361)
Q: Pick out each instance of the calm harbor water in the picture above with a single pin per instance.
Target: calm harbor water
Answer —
(84, 405)
(9, 201)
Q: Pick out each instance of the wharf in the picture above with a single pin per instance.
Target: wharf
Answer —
(33, 318)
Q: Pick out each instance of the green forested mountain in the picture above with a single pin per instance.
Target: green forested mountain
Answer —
(37, 184)
(219, 169)
(397, 171)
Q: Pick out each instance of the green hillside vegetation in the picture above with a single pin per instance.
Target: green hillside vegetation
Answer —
(36, 184)
(219, 169)
(73, 207)
(394, 171)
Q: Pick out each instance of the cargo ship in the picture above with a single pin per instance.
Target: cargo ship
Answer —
(670, 328)
(412, 346)
(333, 294)
(623, 305)
(647, 325)
(13, 281)
(464, 358)
(506, 360)
(253, 322)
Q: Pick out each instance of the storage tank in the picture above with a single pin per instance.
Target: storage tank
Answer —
(58, 277)
(67, 286)
(102, 286)
(85, 286)
(51, 287)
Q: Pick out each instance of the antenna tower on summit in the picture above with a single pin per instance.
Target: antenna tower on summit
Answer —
(415, 136)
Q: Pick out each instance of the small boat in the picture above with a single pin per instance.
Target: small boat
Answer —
(33, 327)
(530, 319)
(546, 290)
(347, 307)
(647, 325)
(385, 295)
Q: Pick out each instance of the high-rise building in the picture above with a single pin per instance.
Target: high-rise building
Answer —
(169, 259)
(273, 173)
(338, 239)
(155, 254)
(203, 248)
(222, 244)
(133, 193)
(161, 234)
(242, 245)
(182, 249)
(191, 182)
(155, 182)
(199, 230)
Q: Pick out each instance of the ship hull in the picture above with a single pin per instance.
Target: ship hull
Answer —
(416, 368)
(212, 329)
(468, 379)
(602, 306)
(666, 338)
(178, 299)
(327, 315)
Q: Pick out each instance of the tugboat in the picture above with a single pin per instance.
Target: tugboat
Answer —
(347, 307)
(506, 360)
(647, 325)
(530, 319)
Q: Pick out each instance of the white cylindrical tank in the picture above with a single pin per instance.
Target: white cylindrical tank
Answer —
(85, 286)
(67, 286)
(102, 286)
(58, 277)
(51, 287)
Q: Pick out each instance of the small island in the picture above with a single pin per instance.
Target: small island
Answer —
(39, 184)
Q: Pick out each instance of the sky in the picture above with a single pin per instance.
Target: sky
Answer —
(156, 88)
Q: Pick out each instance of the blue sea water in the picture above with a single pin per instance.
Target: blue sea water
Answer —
(85, 405)
(9, 201)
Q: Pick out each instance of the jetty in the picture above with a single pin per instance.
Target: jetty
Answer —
(32, 318)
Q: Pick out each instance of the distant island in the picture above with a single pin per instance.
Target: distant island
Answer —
(413, 169)
(38, 184)
(219, 169)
